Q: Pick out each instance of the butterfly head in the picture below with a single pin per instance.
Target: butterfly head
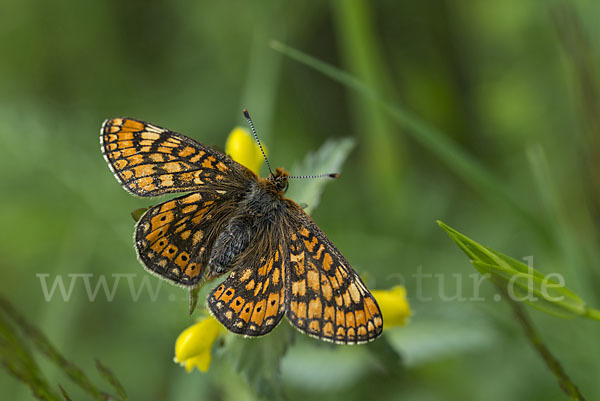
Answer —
(279, 179)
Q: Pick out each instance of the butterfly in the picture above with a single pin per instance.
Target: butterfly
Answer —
(231, 221)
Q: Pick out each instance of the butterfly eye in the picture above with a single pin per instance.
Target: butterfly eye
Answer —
(282, 185)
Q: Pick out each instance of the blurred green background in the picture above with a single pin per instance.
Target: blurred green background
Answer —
(514, 85)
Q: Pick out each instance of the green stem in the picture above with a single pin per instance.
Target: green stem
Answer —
(44, 345)
(553, 364)
(17, 360)
(592, 313)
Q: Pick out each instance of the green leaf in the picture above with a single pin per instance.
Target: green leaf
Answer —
(110, 377)
(194, 297)
(259, 359)
(329, 158)
(522, 282)
(17, 359)
(476, 251)
(42, 343)
(64, 393)
(138, 213)
(539, 293)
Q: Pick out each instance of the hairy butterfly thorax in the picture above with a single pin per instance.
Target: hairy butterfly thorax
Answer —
(261, 204)
(230, 220)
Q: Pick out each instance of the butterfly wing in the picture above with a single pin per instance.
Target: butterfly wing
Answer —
(325, 298)
(251, 300)
(149, 161)
(174, 239)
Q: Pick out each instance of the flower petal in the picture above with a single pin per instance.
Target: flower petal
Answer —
(193, 346)
(242, 148)
(202, 362)
(394, 306)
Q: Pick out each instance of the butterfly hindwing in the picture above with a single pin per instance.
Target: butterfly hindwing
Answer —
(325, 298)
(174, 238)
(251, 300)
(149, 161)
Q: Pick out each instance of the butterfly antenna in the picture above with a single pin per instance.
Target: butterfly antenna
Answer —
(332, 175)
(247, 115)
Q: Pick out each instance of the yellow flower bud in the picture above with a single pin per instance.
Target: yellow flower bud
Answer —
(193, 346)
(394, 306)
(242, 148)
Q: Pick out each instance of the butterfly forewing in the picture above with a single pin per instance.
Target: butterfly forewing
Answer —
(251, 300)
(149, 161)
(325, 297)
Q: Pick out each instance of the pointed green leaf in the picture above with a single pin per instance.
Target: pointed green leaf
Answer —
(522, 282)
(194, 298)
(476, 251)
(539, 293)
(259, 359)
(138, 213)
(64, 393)
(110, 377)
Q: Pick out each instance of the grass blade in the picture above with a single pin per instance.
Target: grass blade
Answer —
(457, 160)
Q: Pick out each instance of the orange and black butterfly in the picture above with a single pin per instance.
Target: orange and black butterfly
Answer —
(231, 220)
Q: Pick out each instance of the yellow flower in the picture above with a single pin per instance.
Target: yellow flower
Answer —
(242, 148)
(194, 344)
(394, 306)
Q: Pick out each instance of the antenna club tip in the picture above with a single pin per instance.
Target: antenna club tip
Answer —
(246, 114)
(334, 175)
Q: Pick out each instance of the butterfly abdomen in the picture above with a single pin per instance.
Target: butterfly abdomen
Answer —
(229, 244)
